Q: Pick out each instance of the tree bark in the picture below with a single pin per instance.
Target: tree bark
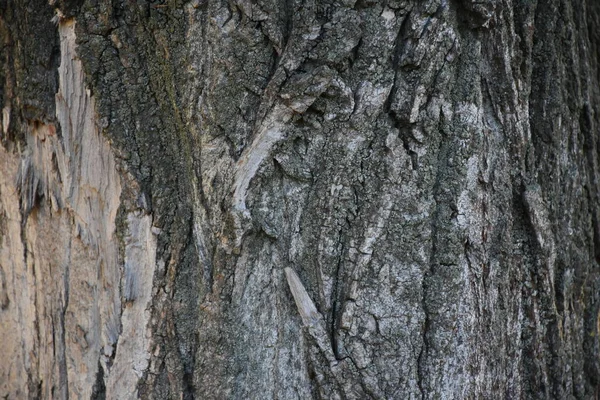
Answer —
(287, 199)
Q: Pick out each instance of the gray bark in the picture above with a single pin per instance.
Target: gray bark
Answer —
(300, 199)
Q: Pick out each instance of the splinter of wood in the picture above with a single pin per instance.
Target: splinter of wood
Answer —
(306, 307)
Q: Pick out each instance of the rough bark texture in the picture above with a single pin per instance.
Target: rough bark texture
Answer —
(300, 199)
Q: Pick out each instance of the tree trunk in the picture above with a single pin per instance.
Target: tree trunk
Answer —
(269, 199)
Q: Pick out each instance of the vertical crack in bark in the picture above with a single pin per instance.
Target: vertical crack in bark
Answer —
(336, 303)
(398, 49)
(535, 364)
(422, 370)
(99, 389)
(422, 358)
(401, 125)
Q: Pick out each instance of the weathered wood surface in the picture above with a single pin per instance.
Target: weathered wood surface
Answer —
(300, 199)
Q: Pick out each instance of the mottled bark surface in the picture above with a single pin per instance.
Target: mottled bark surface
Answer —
(300, 199)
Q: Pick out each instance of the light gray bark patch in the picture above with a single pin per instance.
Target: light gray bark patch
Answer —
(540, 220)
(133, 352)
(269, 133)
(308, 312)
